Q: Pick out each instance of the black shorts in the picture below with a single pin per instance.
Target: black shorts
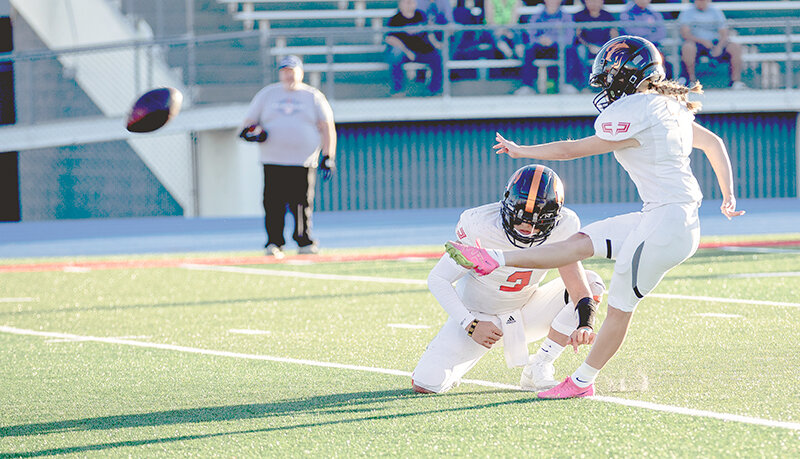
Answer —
(703, 51)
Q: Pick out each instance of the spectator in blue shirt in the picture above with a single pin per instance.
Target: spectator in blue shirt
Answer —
(646, 23)
(588, 41)
(546, 43)
(704, 33)
(438, 11)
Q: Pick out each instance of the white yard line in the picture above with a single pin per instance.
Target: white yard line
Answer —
(17, 300)
(247, 331)
(722, 300)
(279, 273)
(409, 326)
(389, 280)
(758, 250)
(751, 275)
(388, 371)
(718, 315)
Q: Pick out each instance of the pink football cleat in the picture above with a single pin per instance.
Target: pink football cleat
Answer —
(471, 257)
(567, 389)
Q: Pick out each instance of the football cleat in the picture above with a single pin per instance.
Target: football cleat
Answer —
(538, 376)
(471, 257)
(567, 389)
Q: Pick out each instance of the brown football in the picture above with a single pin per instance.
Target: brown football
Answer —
(154, 109)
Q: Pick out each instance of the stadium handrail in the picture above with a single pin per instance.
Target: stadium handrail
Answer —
(771, 5)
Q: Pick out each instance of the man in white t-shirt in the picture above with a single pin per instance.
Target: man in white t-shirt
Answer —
(704, 33)
(509, 303)
(293, 124)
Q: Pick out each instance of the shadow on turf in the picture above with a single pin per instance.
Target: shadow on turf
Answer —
(324, 404)
(293, 297)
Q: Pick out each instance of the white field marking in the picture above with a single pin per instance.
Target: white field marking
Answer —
(18, 300)
(758, 250)
(275, 272)
(413, 259)
(718, 314)
(76, 269)
(749, 275)
(389, 371)
(244, 331)
(76, 340)
(699, 413)
(722, 300)
(411, 326)
(389, 280)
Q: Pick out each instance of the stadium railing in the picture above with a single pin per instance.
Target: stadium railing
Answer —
(273, 23)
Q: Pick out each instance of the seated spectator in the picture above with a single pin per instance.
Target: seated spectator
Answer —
(438, 11)
(588, 40)
(648, 24)
(412, 46)
(704, 33)
(504, 16)
(470, 44)
(546, 43)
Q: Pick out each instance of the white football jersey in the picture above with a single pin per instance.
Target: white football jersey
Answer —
(506, 288)
(660, 165)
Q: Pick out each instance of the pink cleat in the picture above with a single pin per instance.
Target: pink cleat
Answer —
(567, 389)
(471, 257)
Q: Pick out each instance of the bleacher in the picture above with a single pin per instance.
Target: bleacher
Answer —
(351, 50)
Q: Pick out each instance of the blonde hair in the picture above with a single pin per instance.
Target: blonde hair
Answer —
(679, 91)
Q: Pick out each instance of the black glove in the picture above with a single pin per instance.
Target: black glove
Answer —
(327, 165)
(253, 133)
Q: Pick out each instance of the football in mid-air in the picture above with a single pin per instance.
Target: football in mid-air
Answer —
(154, 109)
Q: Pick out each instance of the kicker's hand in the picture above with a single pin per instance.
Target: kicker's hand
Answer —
(505, 146)
(728, 208)
(581, 336)
(486, 334)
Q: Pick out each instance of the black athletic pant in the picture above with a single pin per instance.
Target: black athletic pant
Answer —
(292, 187)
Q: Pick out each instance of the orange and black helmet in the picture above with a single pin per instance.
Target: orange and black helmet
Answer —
(534, 195)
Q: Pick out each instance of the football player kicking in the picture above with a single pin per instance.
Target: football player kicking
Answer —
(648, 122)
(509, 303)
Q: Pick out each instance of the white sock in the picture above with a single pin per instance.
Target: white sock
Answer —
(549, 351)
(585, 375)
(497, 255)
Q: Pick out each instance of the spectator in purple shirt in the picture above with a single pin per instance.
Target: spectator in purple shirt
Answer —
(588, 40)
(646, 23)
(546, 43)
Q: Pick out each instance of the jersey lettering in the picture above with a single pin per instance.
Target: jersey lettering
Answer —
(615, 128)
(518, 279)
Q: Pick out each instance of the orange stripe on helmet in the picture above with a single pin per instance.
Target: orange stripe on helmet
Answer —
(534, 190)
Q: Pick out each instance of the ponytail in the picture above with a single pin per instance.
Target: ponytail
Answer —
(679, 91)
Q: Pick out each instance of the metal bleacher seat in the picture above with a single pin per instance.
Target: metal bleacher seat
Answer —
(360, 49)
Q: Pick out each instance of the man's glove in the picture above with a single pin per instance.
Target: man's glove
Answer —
(327, 165)
(253, 133)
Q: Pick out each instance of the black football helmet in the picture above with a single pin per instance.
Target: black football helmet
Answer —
(621, 65)
(534, 195)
